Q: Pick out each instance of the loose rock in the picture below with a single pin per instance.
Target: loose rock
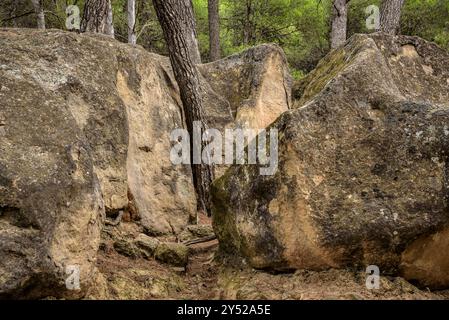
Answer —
(175, 254)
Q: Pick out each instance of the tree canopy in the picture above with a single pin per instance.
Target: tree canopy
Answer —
(300, 27)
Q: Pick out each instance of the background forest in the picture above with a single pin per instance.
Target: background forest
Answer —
(300, 27)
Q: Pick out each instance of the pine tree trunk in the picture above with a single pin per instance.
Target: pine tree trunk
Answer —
(97, 17)
(40, 16)
(110, 21)
(132, 22)
(339, 23)
(177, 21)
(390, 16)
(247, 27)
(214, 30)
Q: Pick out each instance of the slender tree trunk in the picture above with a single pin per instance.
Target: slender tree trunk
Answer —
(177, 21)
(97, 17)
(132, 22)
(247, 24)
(390, 16)
(39, 10)
(110, 21)
(339, 23)
(214, 30)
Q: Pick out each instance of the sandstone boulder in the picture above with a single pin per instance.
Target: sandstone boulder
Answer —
(256, 84)
(256, 87)
(51, 205)
(146, 245)
(85, 123)
(362, 177)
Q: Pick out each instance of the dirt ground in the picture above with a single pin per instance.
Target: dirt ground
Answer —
(207, 278)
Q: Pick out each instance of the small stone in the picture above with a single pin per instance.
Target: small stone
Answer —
(179, 269)
(405, 286)
(146, 245)
(175, 254)
(126, 248)
(195, 232)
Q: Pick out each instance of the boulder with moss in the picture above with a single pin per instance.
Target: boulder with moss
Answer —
(175, 254)
(85, 125)
(363, 169)
(146, 245)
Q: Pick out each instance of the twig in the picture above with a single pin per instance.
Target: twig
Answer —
(19, 16)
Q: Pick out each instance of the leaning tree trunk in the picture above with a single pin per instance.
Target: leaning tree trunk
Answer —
(339, 23)
(40, 16)
(390, 16)
(214, 30)
(97, 17)
(182, 12)
(132, 22)
(177, 21)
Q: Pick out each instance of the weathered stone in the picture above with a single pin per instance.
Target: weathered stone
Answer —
(175, 254)
(50, 199)
(256, 84)
(426, 260)
(85, 125)
(195, 232)
(147, 245)
(362, 167)
(127, 248)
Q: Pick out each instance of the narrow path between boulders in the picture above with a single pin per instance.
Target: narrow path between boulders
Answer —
(205, 278)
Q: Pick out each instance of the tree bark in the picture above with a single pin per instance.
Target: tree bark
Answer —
(247, 24)
(214, 30)
(390, 16)
(132, 22)
(339, 23)
(110, 21)
(177, 21)
(97, 17)
(40, 16)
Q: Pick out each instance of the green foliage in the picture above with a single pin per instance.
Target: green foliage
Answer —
(300, 27)
(357, 16)
(428, 19)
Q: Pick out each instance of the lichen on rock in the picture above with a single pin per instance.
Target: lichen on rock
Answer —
(362, 168)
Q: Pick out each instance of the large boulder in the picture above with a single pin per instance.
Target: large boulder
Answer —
(363, 171)
(256, 84)
(85, 125)
(50, 197)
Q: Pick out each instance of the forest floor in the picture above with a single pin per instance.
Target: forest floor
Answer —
(208, 278)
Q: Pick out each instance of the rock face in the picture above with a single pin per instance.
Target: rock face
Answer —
(256, 84)
(175, 254)
(256, 87)
(362, 177)
(85, 123)
(50, 196)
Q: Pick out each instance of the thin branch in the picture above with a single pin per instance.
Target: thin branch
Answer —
(19, 16)
(200, 240)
